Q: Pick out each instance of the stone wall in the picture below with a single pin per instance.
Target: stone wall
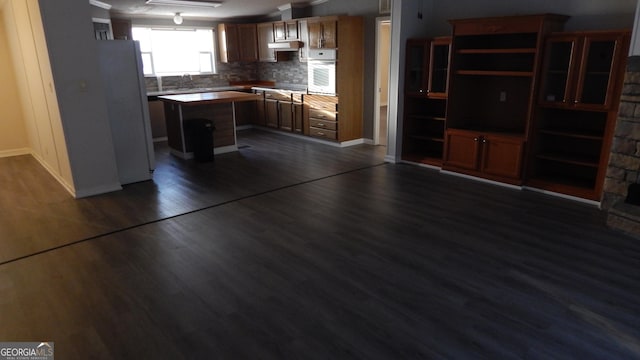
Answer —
(624, 159)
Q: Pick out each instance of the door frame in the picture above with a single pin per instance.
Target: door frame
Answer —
(376, 111)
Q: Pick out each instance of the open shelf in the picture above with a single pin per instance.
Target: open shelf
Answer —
(426, 117)
(427, 138)
(498, 51)
(574, 160)
(495, 73)
(573, 134)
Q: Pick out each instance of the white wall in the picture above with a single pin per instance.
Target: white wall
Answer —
(405, 24)
(72, 53)
(34, 84)
(585, 14)
(13, 134)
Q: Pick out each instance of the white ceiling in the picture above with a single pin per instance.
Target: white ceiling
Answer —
(228, 9)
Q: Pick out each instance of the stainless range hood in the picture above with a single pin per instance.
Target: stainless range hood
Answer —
(286, 45)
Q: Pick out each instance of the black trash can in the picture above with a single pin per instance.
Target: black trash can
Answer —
(200, 136)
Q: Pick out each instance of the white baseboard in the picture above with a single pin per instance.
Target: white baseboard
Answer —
(15, 152)
(69, 187)
(102, 189)
(225, 149)
(510, 186)
(433, 167)
(564, 196)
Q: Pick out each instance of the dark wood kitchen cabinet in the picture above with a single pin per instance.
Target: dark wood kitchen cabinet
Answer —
(266, 36)
(322, 32)
(121, 29)
(493, 82)
(286, 30)
(577, 110)
(237, 42)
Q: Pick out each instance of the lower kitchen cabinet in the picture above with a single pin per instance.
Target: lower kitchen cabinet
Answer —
(271, 113)
(297, 117)
(286, 116)
(493, 156)
(322, 117)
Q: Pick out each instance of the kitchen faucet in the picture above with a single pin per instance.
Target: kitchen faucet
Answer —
(183, 79)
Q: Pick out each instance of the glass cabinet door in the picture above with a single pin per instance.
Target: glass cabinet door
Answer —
(439, 67)
(416, 67)
(595, 81)
(558, 70)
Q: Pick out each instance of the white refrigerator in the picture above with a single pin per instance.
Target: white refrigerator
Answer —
(123, 79)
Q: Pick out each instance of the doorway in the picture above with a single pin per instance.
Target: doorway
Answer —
(383, 55)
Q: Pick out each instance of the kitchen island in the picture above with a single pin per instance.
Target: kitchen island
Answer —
(219, 107)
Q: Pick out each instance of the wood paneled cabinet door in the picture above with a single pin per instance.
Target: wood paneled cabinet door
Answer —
(271, 113)
(298, 117)
(228, 43)
(486, 153)
(502, 155)
(248, 42)
(286, 116)
(462, 149)
(265, 36)
(286, 30)
(323, 34)
(580, 69)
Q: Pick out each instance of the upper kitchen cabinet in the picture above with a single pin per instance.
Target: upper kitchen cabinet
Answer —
(579, 69)
(121, 29)
(286, 30)
(322, 33)
(238, 42)
(266, 36)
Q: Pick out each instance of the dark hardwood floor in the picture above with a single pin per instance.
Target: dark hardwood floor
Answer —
(295, 250)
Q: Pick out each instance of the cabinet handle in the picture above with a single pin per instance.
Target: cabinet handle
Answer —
(484, 141)
(320, 125)
(475, 139)
(320, 133)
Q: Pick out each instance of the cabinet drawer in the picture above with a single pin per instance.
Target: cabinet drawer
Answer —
(322, 114)
(323, 124)
(322, 102)
(323, 133)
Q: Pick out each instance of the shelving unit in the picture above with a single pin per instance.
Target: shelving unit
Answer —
(426, 100)
(494, 65)
(577, 109)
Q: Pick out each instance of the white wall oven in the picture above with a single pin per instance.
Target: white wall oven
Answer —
(322, 71)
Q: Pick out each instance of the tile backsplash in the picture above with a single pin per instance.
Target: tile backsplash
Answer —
(288, 70)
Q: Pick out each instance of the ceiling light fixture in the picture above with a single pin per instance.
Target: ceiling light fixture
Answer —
(177, 19)
(189, 3)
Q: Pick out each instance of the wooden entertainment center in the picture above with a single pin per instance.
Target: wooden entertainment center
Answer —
(521, 103)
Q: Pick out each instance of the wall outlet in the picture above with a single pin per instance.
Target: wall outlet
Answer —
(503, 96)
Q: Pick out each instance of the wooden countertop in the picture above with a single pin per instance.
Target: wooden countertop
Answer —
(210, 97)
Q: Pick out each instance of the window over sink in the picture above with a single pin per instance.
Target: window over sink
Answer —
(176, 51)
